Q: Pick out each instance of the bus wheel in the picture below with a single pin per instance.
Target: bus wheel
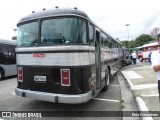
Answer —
(107, 80)
(1, 74)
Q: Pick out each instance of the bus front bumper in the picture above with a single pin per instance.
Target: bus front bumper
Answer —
(52, 97)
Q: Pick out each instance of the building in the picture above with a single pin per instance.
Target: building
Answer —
(154, 32)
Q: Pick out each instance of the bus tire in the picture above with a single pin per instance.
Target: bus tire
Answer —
(1, 74)
(107, 80)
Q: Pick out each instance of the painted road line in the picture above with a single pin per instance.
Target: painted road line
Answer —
(108, 100)
(144, 86)
(136, 87)
(153, 95)
(133, 75)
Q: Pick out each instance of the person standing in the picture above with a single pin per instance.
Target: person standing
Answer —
(155, 63)
(149, 57)
(134, 57)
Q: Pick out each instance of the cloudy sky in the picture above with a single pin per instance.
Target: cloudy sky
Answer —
(111, 15)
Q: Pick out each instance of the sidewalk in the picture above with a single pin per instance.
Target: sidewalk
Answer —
(143, 83)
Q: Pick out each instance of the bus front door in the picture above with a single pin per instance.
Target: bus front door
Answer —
(98, 61)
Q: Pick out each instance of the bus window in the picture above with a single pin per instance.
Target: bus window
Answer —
(106, 41)
(63, 31)
(2, 56)
(102, 39)
(28, 34)
(110, 45)
(91, 34)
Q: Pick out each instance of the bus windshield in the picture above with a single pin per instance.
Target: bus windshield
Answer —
(28, 34)
(53, 31)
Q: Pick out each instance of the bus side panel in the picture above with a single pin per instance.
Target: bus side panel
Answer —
(12, 70)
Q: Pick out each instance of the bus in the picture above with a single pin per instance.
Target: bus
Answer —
(147, 49)
(64, 57)
(7, 58)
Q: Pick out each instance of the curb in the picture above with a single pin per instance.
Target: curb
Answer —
(142, 107)
(140, 102)
(128, 80)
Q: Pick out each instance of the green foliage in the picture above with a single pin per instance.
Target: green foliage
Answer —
(143, 39)
(121, 101)
(139, 41)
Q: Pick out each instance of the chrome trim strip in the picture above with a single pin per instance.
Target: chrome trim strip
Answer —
(53, 16)
(51, 97)
(57, 59)
(56, 48)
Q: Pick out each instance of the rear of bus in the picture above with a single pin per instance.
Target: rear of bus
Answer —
(54, 58)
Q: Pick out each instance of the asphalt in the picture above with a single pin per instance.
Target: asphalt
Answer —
(143, 84)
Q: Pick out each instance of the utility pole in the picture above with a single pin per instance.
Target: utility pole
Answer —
(128, 36)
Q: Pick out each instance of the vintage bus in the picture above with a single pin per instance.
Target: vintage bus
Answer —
(7, 58)
(147, 49)
(63, 57)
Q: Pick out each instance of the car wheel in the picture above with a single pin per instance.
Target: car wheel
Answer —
(1, 74)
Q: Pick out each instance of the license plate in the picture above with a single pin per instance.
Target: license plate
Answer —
(39, 78)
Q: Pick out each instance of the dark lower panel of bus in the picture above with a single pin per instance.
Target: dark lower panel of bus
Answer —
(51, 79)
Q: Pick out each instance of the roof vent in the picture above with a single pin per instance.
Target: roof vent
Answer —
(75, 8)
(44, 9)
(33, 11)
(56, 7)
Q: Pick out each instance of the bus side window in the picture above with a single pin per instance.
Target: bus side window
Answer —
(110, 45)
(102, 41)
(91, 34)
(107, 42)
(2, 56)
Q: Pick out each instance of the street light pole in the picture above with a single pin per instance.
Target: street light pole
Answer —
(128, 36)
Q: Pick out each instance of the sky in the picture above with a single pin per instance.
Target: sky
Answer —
(110, 15)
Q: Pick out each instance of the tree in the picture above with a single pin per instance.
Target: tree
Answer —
(139, 41)
(143, 39)
(124, 43)
(127, 43)
(132, 44)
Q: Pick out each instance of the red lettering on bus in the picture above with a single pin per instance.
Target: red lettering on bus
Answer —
(39, 55)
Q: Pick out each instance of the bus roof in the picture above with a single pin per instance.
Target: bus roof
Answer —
(53, 12)
(9, 42)
(59, 12)
(150, 44)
